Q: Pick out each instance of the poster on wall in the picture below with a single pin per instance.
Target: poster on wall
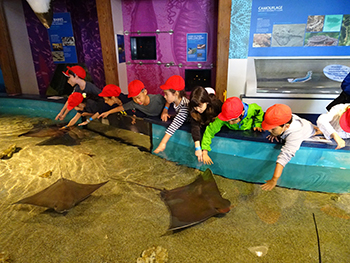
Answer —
(284, 28)
(121, 48)
(62, 40)
(197, 44)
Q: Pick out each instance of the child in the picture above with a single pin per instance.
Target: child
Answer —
(174, 93)
(112, 96)
(148, 104)
(280, 122)
(85, 105)
(236, 115)
(76, 76)
(204, 108)
(336, 124)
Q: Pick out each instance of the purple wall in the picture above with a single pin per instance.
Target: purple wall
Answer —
(87, 37)
(182, 16)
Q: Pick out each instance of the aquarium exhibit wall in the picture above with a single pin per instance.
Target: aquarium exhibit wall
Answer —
(297, 55)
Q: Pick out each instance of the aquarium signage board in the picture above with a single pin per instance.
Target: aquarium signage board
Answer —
(197, 44)
(285, 28)
(62, 40)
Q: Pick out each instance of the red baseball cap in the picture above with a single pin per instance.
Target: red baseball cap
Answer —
(110, 90)
(231, 109)
(78, 70)
(175, 82)
(74, 100)
(134, 88)
(276, 115)
(344, 121)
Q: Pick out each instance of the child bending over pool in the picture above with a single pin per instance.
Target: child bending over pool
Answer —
(174, 93)
(76, 78)
(147, 104)
(236, 115)
(204, 108)
(281, 123)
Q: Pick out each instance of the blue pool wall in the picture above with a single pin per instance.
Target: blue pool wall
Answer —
(315, 166)
(33, 107)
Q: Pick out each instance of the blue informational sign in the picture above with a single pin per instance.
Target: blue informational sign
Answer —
(62, 39)
(288, 28)
(197, 44)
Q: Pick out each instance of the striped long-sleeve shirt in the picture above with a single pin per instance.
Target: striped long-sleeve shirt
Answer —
(182, 113)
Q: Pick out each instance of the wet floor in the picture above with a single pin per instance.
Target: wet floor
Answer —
(121, 220)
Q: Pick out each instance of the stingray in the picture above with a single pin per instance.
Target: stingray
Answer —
(66, 137)
(195, 203)
(62, 195)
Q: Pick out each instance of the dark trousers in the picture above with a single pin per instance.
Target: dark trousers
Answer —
(342, 98)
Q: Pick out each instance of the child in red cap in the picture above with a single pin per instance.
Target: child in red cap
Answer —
(281, 123)
(236, 115)
(111, 95)
(85, 104)
(174, 93)
(76, 76)
(336, 124)
(148, 104)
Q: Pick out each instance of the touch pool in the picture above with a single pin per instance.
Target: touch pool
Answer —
(120, 220)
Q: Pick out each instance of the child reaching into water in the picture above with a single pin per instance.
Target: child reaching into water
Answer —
(336, 124)
(85, 105)
(204, 108)
(236, 115)
(111, 96)
(281, 123)
(174, 93)
(76, 76)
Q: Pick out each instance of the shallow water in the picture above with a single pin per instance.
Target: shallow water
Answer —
(120, 220)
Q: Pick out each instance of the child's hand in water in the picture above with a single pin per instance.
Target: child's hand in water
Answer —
(199, 155)
(258, 129)
(161, 147)
(269, 185)
(206, 158)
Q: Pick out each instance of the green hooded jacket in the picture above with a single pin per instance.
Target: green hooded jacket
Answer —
(253, 119)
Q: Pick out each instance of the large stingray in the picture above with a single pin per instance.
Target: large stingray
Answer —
(68, 137)
(62, 195)
(193, 203)
(196, 202)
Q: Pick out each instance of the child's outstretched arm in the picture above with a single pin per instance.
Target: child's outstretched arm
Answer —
(89, 119)
(62, 114)
(72, 121)
(270, 184)
(212, 129)
(106, 113)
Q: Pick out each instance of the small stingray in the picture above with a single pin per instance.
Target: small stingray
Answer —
(62, 195)
(196, 202)
(66, 137)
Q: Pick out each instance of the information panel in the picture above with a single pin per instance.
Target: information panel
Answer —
(62, 39)
(292, 28)
(197, 44)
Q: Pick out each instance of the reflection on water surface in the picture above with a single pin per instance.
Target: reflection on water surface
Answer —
(121, 220)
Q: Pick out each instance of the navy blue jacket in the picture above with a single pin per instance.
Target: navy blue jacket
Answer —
(345, 85)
